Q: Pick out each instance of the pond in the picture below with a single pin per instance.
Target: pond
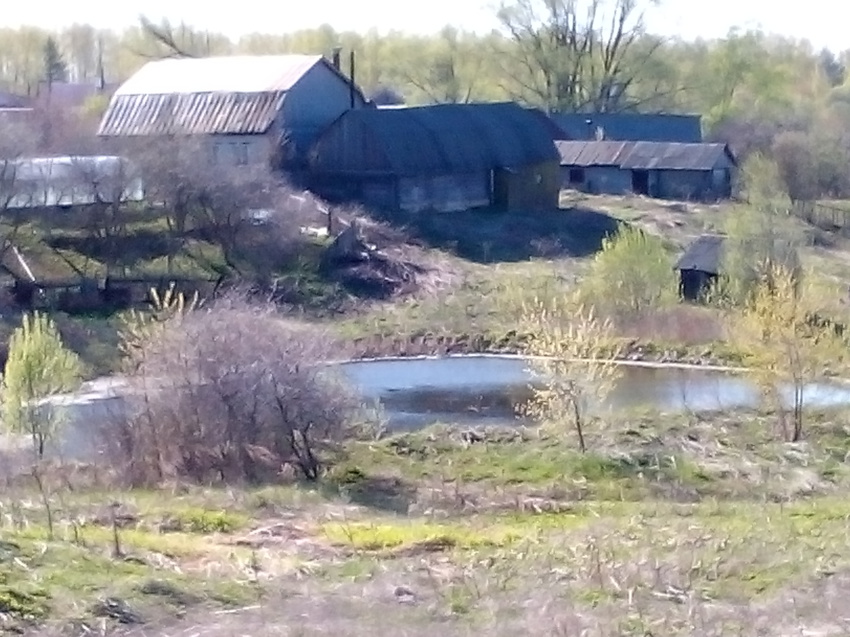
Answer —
(482, 389)
(477, 390)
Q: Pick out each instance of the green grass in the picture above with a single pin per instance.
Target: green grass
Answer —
(479, 531)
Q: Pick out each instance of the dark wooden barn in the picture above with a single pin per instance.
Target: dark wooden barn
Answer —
(443, 157)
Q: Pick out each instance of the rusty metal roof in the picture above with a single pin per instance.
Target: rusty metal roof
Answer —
(675, 156)
(194, 113)
(592, 153)
(220, 74)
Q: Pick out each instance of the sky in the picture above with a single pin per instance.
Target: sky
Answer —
(819, 21)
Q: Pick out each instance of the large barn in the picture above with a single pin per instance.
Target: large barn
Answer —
(664, 170)
(249, 106)
(443, 157)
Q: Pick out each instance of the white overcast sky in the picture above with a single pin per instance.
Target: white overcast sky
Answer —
(822, 22)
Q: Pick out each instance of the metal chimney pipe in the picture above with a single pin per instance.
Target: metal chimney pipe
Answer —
(337, 50)
(351, 77)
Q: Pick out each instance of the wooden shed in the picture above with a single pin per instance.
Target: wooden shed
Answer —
(699, 266)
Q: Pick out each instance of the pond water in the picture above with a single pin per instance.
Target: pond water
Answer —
(488, 389)
(474, 390)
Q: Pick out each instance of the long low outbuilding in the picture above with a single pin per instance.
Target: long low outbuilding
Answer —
(70, 181)
(443, 157)
(664, 170)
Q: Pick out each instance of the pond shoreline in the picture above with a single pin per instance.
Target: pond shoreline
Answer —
(511, 344)
(624, 362)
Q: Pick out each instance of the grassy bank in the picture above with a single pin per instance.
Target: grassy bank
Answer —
(672, 525)
(476, 269)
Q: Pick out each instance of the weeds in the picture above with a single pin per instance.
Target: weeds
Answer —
(663, 526)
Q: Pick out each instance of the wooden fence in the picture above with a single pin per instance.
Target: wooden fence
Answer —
(824, 215)
(107, 295)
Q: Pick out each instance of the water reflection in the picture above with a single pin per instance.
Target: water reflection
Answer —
(488, 389)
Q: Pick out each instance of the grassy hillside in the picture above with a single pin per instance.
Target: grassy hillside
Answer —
(690, 524)
(471, 270)
(674, 525)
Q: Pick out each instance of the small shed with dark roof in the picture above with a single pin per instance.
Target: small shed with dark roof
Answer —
(664, 170)
(702, 263)
(700, 266)
(442, 157)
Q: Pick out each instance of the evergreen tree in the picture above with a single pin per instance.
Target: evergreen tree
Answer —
(55, 68)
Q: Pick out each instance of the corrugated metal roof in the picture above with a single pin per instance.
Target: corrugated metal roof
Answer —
(653, 127)
(592, 153)
(195, 113)
(674, 156)
(238, 94)
(457, 138)
(220, 74)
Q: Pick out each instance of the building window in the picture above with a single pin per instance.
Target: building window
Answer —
(576, 175)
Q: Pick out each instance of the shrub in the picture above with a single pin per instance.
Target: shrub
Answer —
(38, 366)
(230, 391)
(632, 274)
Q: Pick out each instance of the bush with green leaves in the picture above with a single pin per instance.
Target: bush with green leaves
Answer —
(760, 235)
(39, 365)
(632, 274)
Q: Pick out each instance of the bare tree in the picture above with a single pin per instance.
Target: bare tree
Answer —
(244, 210)
(16, 141)
(104, 188)
(573, 354)
(166, 41)
(230, 392)
(574, 55)
(444, 80)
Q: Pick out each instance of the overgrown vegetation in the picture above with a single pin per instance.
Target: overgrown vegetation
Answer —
(228, 392)
(631, 276)
(785, 347)
(574, 354)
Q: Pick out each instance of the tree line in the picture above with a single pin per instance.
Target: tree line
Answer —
(759, 92)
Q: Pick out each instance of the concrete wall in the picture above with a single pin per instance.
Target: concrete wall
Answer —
(608, 180)
(663, 184)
